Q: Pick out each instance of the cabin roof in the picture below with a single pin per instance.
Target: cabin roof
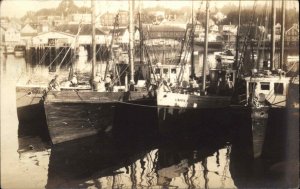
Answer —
(270, 78)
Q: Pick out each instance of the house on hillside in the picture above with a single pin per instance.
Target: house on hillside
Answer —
(51, 20)
(277, 33)
(214, 29)
(85, 18)
(12, 36)
(4, 22)
(122, 35)
(27, 32)
(292, 35)
(108, 19)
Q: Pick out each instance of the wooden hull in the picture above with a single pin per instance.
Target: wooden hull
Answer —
(29, 105)
(73, 114)
(136, 117)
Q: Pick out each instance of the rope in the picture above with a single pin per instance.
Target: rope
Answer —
(140, 105)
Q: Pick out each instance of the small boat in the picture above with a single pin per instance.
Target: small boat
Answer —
(226, 56)
(19, 50)
(9, 49)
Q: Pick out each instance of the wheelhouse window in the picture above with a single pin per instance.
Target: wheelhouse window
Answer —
(278, 88)
(173, 70)
(165, 70)
(157, 71)
(265, 86)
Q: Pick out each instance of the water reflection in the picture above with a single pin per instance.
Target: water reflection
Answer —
(103, 161)
(98, 161)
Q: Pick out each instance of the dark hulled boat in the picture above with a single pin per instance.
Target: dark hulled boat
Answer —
(74, 112)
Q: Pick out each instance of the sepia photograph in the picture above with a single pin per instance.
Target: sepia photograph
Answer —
(158, 94)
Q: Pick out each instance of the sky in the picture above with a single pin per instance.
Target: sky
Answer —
(18, 8)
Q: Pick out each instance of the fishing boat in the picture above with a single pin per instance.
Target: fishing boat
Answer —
(272, 95)
(84, 110)
(270, 87)
(80, 111)
(197, 104)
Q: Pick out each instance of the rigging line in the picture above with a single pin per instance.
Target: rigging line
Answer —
(56, 57)
(140, 105)
(73, 43)
(246, 37)
(117, 78)
(150, 65)
(291, 68)
(44, 55)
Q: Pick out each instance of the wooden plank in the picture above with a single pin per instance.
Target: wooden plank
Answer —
(69, 121)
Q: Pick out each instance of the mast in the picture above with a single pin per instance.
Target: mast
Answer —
(237, 36)
(111, 54)
(282, 34)
(273, 35)
(93, 40)
(131, 42)
(192, 45)
(141, 36)
(205, 48)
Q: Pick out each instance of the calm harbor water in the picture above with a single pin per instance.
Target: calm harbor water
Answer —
(28, 160)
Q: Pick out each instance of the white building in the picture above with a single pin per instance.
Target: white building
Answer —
(12, 36)
(53, 39)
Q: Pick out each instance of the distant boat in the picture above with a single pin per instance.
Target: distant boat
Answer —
(9, 49)
(19, 50)
(226, 56)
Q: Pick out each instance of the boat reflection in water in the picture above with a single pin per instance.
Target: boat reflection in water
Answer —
(136, 160)
(106, 162)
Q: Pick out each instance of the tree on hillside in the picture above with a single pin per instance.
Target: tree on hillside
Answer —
(66, 7)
